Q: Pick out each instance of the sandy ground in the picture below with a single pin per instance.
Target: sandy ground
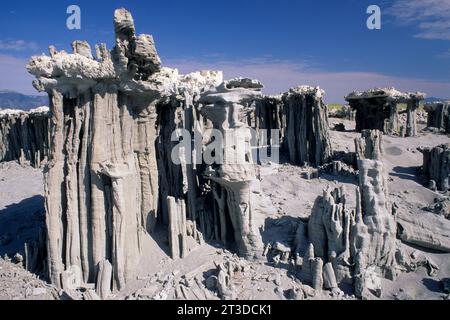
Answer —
(293, 196)
(18, 284)
(21, 206)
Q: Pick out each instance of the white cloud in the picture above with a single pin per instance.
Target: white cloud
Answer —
(17, 45)
(431, 17)
(444, 55)
(14, 76)
(279, 76)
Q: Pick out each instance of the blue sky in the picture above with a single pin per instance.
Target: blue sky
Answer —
(282, 43)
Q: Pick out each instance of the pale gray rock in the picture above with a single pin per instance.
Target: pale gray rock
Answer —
(425, 229)
(307, 272)
(82, 48)
(370, 108)
(374, 233)
(301, 118)
(345, 112)
(304, 110)
(233, 178)
(281, 247)
(24, 136)
(441, 206)
(436, 166)
(105, 139)
(71, 279)
(301, 240)
(317, 273)
(18, 258)
(177, 228)
(438, 115)
(329, 230)
(370, 283)
(104, 279)
(91, 295)
(329, 277)
(225, 287)
(358, 246)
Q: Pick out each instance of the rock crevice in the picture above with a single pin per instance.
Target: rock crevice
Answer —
(24, 136)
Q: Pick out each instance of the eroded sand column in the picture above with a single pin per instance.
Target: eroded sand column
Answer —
(238, 169)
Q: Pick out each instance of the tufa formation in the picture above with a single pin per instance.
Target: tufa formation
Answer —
(379, 109)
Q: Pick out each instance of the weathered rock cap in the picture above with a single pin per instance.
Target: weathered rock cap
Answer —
(432, 106)
(133, 66)
(427, 149)
(387, 93)
(61, 69)
(144, 48)
(135, 54)
(282, 247)
(305, 90)
(82, 48)
(123, 22)
(245, 83)
(238, 90)
(79, 70)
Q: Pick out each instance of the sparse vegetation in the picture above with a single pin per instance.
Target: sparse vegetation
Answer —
(334, 106)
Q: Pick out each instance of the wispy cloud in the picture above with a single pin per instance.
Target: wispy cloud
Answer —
(278, 76)
(432, 17)
(444, 55)
(17, 45)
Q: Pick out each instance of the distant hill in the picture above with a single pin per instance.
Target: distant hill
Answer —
(434, 99)
(15, 100)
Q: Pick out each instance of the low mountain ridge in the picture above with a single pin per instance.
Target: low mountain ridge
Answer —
(16, 100)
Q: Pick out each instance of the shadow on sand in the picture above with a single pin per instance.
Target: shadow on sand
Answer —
(19, 224)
